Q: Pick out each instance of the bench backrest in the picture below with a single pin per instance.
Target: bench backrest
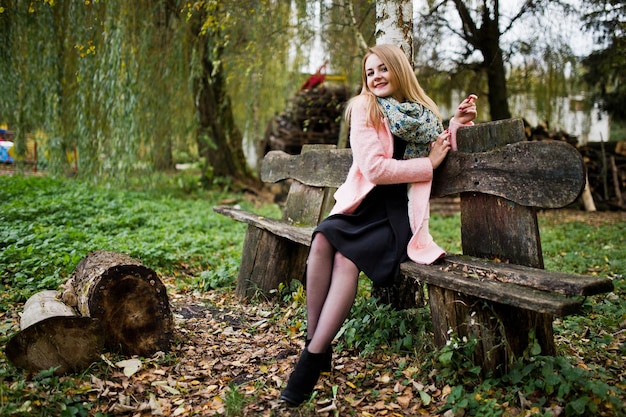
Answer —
(315, 173)
(501, 179)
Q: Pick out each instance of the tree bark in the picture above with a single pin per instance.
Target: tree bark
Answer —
(127, 297)
(486, 38)
(394, 24)
(219, 140)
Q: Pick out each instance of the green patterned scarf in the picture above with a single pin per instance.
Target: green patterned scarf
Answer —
(413, 123)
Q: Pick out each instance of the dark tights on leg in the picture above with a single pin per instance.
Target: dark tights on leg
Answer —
(331, 286)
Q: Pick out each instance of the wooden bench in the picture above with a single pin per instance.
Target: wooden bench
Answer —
(497, 290)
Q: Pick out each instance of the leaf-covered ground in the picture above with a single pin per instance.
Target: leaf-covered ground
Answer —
(224, 349)
(231, 358)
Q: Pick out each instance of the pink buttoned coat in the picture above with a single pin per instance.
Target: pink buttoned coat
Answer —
(373, 164)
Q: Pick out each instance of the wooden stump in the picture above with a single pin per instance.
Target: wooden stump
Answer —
(127, 297)
(53, 336)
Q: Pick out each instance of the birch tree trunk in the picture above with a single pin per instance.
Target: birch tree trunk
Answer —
(394, 24)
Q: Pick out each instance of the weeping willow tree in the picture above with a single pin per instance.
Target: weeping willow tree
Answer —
(104, 78)
(30, 97)
(540, 81)
(263, 68)
(135, 86)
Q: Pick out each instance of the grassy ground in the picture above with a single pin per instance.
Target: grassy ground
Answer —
(230, 358)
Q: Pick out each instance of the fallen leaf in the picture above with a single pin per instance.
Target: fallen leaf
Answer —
(131, 366)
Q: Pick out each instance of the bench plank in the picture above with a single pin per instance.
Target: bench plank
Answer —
(298, 234)
(540, 279)
(528, 298)
(317, 167)
(493, 273)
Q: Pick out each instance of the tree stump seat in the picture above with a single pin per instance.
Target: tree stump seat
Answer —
(497, 290)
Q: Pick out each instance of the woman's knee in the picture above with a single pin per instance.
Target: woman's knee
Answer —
(320, 246)
(345, 264)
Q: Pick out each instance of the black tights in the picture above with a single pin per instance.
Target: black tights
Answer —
(331, 286)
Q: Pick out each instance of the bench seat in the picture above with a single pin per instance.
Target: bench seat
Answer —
(551, 292)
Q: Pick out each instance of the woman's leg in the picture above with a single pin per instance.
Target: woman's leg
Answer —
(318, 274)
(336, 307)
(332, 285)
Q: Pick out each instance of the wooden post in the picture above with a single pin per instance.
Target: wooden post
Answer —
(268, 260)
(493, 227)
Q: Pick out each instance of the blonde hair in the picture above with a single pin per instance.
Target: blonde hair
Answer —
(401, 74)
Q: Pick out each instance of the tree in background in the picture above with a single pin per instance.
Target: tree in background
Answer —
(483, 41)
(219, 140)
(103, 78)
(605, 65)
(116, 79)
(241, 58)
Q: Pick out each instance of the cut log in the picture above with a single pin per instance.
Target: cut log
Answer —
(128, 298)
(53, 336)
(43, 305)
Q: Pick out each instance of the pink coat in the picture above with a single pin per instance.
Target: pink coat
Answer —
(372, 151)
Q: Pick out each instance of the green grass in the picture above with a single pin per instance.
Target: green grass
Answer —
(48, 225)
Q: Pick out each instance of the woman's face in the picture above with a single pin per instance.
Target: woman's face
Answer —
(378, 77)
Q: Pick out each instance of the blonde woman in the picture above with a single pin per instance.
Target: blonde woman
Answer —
(380, 218)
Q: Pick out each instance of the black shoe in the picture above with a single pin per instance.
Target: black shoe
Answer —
(303, 378)
(327, 362)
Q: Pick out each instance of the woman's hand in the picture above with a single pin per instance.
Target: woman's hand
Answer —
(466, 112)
(439, 149)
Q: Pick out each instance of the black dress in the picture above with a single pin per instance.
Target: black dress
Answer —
(375, 236)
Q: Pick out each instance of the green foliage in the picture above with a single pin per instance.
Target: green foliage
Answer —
(542, 383)
(373, 326)
(456, 361)
(47, 226)
(446, 231)
(62, 396)
(602, 254)
(234, 401)
(603, 65)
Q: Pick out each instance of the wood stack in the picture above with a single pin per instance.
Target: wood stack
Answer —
(606, 169)
(313, 117)
(111, 301)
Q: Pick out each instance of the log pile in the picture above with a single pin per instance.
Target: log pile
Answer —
(313, 117)
(54, 336)
(606, 170)
(111, 302)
